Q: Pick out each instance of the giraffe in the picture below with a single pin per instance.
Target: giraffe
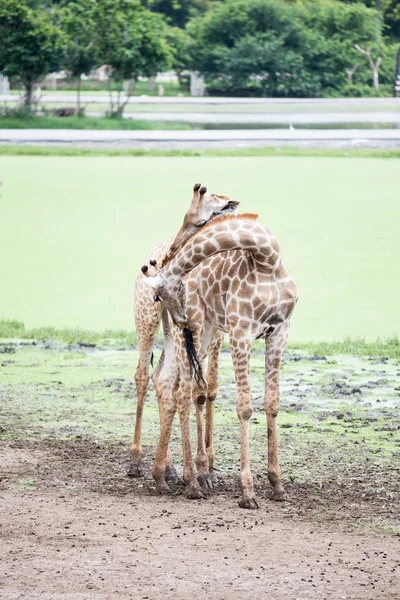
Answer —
(148, 314)
(246, 292)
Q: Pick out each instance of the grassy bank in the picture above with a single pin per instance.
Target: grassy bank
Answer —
(98, 123)
(39, 150)
(16, 330)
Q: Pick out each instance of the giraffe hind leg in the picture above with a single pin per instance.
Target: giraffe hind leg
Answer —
(274, 349)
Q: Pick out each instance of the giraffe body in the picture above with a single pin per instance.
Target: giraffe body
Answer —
(230, 278)
(148, 315)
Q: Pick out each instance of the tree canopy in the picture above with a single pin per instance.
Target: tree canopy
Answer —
(288, 48)
(32, 45)
(274, 48)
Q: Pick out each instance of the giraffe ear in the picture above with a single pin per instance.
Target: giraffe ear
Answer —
(155, 282)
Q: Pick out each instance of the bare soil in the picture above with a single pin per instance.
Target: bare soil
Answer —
(86, 531)
(73, 526)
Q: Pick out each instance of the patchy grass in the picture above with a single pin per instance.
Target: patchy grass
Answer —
(13, 329)
(39, 150)
(44, 122)
(338, 428)
(389, 347)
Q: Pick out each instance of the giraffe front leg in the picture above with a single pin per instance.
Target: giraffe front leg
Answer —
(274, 349)
(167, 408)
(193, 491)
(164, 377)
(202, 465)
(241, 358)
(142, 384)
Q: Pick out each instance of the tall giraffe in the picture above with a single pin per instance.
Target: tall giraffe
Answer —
(148, 314)
(246, 292)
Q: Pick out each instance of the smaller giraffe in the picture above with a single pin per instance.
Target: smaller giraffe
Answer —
(229, 277)
(203, 209)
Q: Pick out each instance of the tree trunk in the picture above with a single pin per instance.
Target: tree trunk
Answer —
(28, 95)
(111, 95)
(129, 92)
(79, 96)
(376, 78)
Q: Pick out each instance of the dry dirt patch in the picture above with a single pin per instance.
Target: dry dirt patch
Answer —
(80, 530)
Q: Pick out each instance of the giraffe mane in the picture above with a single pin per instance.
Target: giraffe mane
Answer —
(215, 221)
(223, 218)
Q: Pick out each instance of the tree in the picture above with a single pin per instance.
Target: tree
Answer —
(76, 19)
(373, 65)
(389, 16)
(132, 42)
(178, 12)
(274, 48)
(179, 43)
(31, 45)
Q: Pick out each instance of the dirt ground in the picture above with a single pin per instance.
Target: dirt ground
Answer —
(74, 527)
(104, 541)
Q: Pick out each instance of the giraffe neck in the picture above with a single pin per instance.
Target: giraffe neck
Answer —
(233, 233)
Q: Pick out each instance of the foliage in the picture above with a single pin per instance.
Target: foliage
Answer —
(389, 15)
(76, 19)
(178, 12)
(270, 48)
(179, 42)
(31, 45)
(131, 41)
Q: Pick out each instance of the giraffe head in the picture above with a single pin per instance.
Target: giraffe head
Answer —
(172, 292)
(203, 209)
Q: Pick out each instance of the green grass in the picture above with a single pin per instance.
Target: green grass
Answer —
(16, 330)
(12, 329)
(74, 231)
(101, 123)
(355, 105)
(39, 150)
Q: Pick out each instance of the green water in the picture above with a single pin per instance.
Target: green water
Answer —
(74, 231)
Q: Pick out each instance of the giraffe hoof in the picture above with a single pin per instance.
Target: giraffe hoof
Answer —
(163, 488)
(279, 496)
(214, 478)
(206, 482)
(171, 475)
(135, 471)
(194, 494)
(250, 503)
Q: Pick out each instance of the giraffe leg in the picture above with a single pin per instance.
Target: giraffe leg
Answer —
(240, 349)
(142, 384)
(274, 349)
(183, 399)
(212, 389)
(163, 378)
(147, 323)
(204, 479)
(167, 406)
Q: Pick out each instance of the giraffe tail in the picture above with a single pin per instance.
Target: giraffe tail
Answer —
(195, 366)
